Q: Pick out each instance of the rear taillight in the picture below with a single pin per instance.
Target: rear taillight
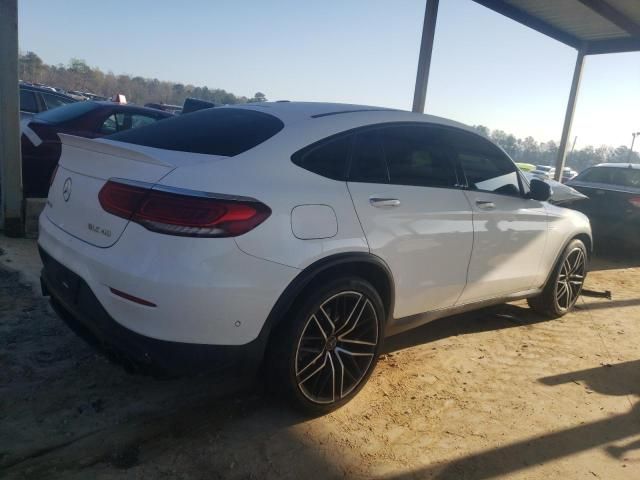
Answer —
(635, 201)
(183, 213)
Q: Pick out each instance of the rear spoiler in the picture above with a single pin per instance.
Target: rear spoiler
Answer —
(109, 148)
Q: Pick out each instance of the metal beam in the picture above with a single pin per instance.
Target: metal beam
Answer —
(424, 60)
(10, 158)
(568, 118)
(530, 21)
(619, 19)
(612, 46)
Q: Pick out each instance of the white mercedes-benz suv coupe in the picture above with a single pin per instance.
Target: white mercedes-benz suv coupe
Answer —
(295, 237)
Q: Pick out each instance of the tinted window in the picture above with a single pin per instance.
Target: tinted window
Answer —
(485, 167)
(139, 120)
(328, 159)
(53, 101)
(28, 101)
(111, 124)
(624, 177)
(417, 155)
(67, 112)
(213, 131)
(368, 164)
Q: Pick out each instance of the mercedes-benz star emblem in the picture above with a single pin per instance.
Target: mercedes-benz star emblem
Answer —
(66, 189)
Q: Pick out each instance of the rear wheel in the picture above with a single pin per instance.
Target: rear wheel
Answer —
(325, 352)
(565, 283)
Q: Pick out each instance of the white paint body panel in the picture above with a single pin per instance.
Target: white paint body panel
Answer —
(509, 243)
(313, 222)
(203, 286)
(426, 240)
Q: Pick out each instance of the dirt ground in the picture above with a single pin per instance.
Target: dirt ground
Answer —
(501, 393)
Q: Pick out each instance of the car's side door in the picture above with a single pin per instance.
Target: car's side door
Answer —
(414, 214)
(510, 229)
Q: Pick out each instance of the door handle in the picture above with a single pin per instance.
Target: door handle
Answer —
(384, 202)
(485, 205)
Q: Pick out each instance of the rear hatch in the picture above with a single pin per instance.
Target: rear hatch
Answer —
(85, 166)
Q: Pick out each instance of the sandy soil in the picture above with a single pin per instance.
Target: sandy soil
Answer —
(501, 393)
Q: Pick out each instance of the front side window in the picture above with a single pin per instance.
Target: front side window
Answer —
(139, 120)
(485, 167)
(113, 123)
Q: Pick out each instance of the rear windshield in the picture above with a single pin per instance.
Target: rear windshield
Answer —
(624, 177)
(213, 131)
(66, 112)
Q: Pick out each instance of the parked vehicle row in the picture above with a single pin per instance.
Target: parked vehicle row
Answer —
(41, 144)
(297, 235)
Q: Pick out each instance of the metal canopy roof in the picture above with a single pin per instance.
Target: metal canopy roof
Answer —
(591, 26)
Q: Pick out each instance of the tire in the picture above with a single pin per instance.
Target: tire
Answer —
(560, 294)
(312, 359)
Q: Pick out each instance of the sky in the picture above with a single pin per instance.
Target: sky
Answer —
(486, 69)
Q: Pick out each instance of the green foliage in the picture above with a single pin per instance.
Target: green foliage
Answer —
(528, 150)
(79, 76)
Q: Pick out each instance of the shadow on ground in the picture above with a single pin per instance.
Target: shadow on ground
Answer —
(619, 379)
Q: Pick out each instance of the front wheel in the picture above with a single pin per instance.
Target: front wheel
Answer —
(563, 288)
(326, 350)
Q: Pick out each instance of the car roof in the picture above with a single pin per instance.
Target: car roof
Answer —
(44, 90)
(295, 112)
(619, 165)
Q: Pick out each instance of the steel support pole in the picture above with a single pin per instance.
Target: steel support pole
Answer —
(424, 60)
(11, 214)
(568, 117)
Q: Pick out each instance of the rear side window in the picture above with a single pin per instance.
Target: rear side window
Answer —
(368, 163)
(54, 101)
(328, 159)
(28, 101)
(624, 177)
(212, 131)
(485, 166)
(417, 155)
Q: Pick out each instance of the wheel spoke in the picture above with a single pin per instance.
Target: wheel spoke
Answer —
(354, 354)
(333, 378)
(341, 375)
(327, 319)
(351, 313)
(357, 319)
(324, 334)
(324, 363)
(313, 361)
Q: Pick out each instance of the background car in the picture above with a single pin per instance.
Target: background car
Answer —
(39, 99)
(301, 234)
(613, 206)
(41, 145)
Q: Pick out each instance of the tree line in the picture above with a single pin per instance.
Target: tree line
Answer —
(78, 76)
(528, 150)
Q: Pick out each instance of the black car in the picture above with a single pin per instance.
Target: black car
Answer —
(39, 99)
(613, 206)
(41, 145)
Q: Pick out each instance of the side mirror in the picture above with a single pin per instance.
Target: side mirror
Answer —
(540, 190)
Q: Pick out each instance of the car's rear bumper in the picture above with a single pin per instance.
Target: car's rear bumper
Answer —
(77, 305)
(197, 291)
